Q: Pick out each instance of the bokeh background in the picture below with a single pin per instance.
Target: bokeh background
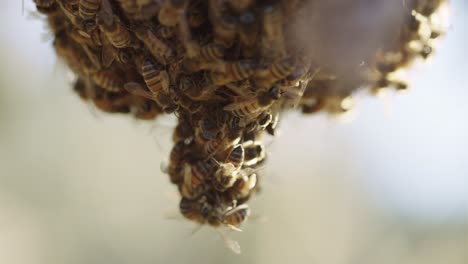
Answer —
(80, 186)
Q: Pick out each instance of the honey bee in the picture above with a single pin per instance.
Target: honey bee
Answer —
(162, 98)
(190, 210)
(46, 6)
(82, 89)
(209, 128)
(92, 55)
(218, 145)
(209, 57)
(197, 89)
(199, 172)
(248, 33)
(253, 107)
(183, 131)
(271, 127)
(193, 193)
(139, 9)
(224, 29)
(233, 71)
(236, 216)
(160, 50)
(254, 155)
(265, 77)
(236, 156)
(176, 167)
(111, 102)
(70, 12)
(146, 109)
(115, 32)
(272, 40)
(242, 187)
(228, 171)
(88, 8)
(263, 121)
(171, 11)
(188, 104)
(108, 80)
(155, 78)
(81, 37)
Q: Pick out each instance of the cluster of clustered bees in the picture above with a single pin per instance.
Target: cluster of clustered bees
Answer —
(225, 68)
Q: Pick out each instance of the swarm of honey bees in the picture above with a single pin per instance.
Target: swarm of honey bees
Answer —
(227, 69)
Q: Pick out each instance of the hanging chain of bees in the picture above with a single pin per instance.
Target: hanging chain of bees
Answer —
(227, 69)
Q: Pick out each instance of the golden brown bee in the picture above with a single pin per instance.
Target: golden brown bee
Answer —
(235, 217)
(171, 11)
(139, 9)
(70, 12)
(176, 166)
(82, 89)
(190, 210)
(183, 131)
(116, 33)
(160, 50)
(188, 104)
(224, 29)
(265, 77)
(236, 156)
(155, 78)
(254, 155)
(92, 55)
(197, 89)
(218, 145)
(109, 80)
(271, 127)
(194, 192)
(263, 121)
(243, 187)
(163, 98)
(46, 6)
(272, 39)
(57, 23)
(145, 109)
(111, 102)
(80, 37)
(209, 128)
(253, 107)
(199, 172)
(209, 57)
(233, 71)
(228, 171)
(88, 8)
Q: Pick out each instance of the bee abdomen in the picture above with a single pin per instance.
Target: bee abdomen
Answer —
(88, 8)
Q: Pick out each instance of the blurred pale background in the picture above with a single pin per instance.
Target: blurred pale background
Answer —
(79, 186)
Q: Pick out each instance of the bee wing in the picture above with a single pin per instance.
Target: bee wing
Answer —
(136, 89)
(107, 52)
(303, 86)
(233, 245)
(231, 106)
(239, 101)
